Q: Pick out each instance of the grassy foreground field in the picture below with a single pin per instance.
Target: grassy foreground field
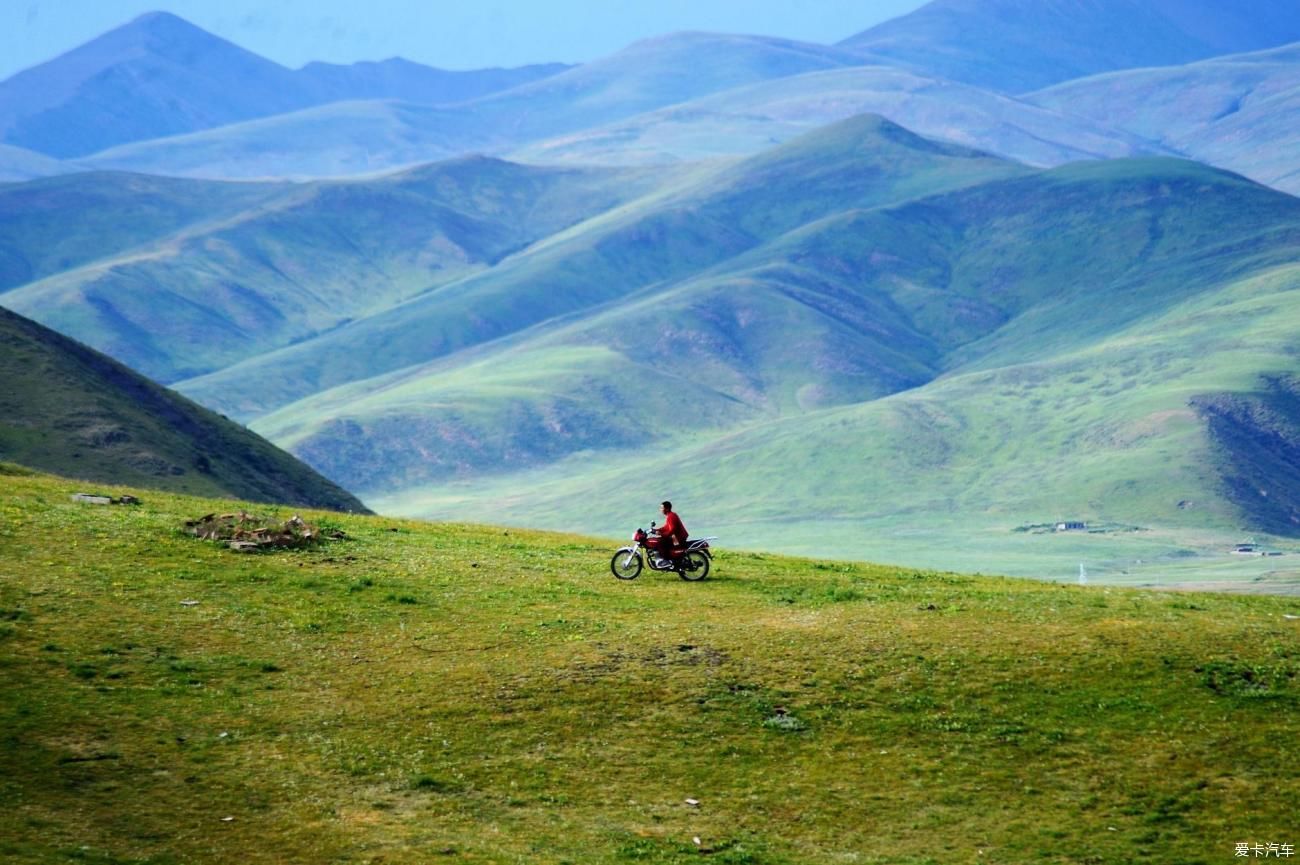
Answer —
(426, 693)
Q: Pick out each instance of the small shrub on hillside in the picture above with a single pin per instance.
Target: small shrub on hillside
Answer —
(1235, 679)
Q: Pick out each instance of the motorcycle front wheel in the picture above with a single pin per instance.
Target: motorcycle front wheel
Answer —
(626, 564)
(694, 566)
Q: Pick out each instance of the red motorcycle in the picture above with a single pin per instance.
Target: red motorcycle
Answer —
(690, 563)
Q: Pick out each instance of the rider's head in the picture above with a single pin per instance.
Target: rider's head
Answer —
(666, 507)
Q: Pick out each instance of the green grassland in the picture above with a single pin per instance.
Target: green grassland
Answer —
(116, 214)
(425, 692)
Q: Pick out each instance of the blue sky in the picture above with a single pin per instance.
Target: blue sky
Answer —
(451, 34)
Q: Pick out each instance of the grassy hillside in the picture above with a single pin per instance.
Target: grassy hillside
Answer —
(116, 214)
(746, 120)
(1258, 437)
(1020, 45)
(1237, 112)
(421, 692)
(71, 410)
(175, 300)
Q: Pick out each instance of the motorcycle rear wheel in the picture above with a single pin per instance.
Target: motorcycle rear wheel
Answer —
(625, 565)
(694, 566)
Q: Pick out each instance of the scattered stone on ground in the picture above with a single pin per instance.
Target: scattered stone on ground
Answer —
(97, 499)
(246, 534)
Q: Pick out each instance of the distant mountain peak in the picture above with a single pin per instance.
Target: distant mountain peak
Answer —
(160, 32)
(161, 19)
(159, 76)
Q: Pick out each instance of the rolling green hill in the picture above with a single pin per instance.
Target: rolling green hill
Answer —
(116, 215)
(1238, 112)
(256, 272)
(703, 220)
(425, 692)
(70, 410)
(749, 119)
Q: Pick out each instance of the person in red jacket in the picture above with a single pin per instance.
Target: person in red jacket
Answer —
(672, 534)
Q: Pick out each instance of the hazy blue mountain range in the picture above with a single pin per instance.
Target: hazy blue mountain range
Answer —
(366, 136)
(1240, 112)
(683, 96)
(159, 76)
(72, 411)
(413, 82)
(341, 139)
(1015, 46)
(749, 119)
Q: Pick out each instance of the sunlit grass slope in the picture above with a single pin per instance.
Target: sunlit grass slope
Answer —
(429, 692)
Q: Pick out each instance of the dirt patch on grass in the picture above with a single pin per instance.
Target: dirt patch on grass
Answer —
(683, 655)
